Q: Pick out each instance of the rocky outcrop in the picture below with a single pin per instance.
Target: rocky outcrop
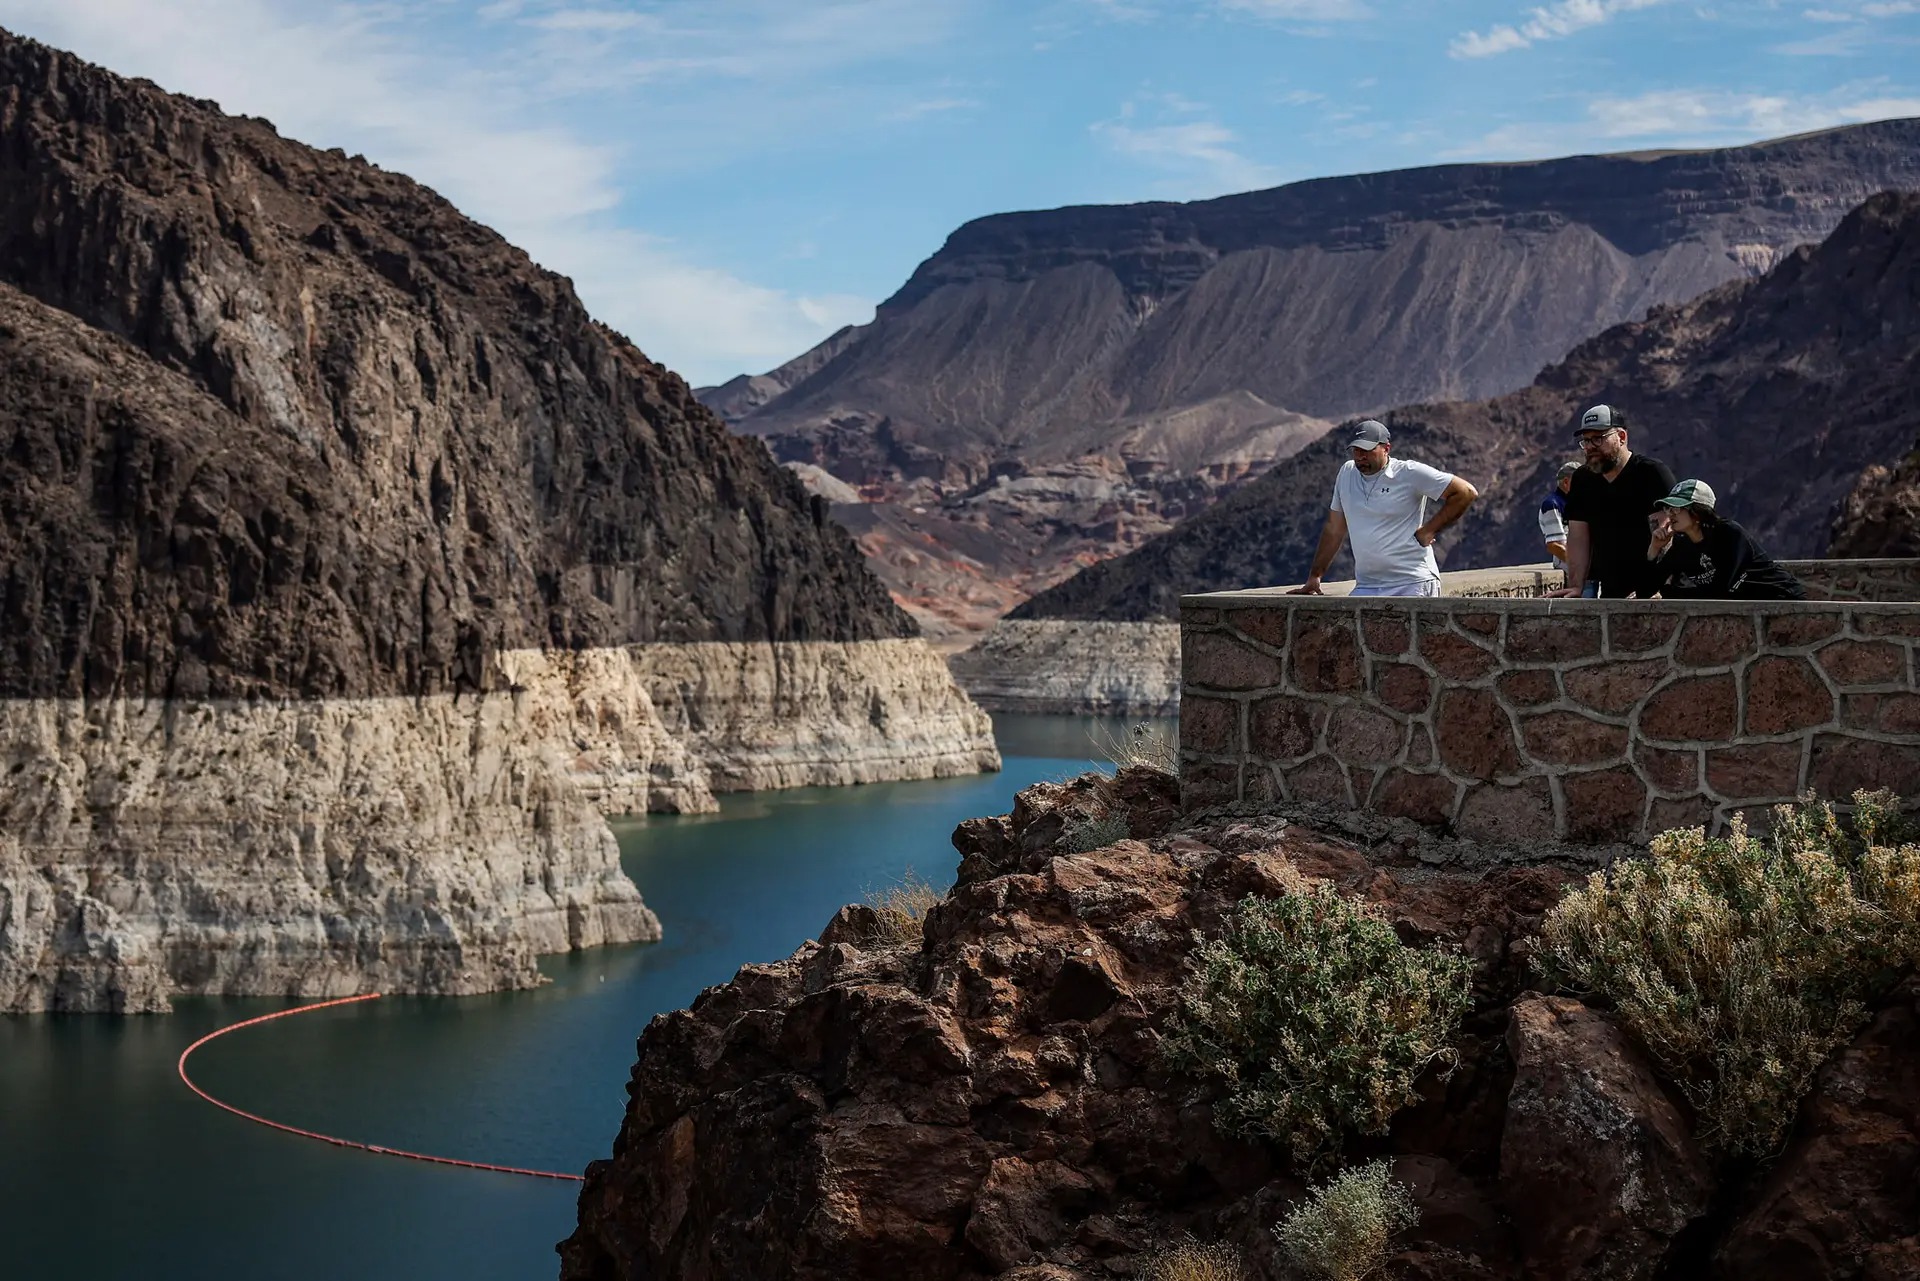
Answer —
(1818, 363)
(991, 1102)
(1074, 668)
(342, 558)
(1172, 350)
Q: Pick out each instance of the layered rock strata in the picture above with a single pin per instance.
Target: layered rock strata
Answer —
(343, 557)
(989, 1100)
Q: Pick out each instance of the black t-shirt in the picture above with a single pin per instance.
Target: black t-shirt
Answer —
(1726, 564)
(1616, 515)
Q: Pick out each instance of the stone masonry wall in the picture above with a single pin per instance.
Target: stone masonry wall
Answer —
(1522, 720)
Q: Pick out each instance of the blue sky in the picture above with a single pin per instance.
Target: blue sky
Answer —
(728, 181)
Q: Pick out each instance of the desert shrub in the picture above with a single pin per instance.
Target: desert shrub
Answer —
(1093, 833)
(901, 910)
(1143, 746)
(1316, 1018)
(1741, 963)
(1190, 1260)
(1343, 1229)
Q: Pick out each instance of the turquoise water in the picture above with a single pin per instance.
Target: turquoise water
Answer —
(110, 1169)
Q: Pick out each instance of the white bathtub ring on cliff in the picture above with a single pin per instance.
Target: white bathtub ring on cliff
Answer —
(376, 1149)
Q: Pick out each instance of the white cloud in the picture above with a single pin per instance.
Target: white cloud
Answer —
(1688, 118)
(1199, 157)
(1548, 22)
(359, 79)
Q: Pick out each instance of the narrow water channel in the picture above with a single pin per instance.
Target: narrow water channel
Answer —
(109, 1169)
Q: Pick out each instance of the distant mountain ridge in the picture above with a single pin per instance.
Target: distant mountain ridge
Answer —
(1164, 352)
(1777, 391)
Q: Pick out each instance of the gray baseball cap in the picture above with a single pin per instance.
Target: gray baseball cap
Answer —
(1689, 493)
(1567, 469)
(1600, 418)
(1370, 434)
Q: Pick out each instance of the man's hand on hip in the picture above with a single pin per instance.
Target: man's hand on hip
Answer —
(1425, 536)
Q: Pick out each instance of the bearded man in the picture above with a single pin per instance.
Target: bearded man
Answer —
(1607, 507)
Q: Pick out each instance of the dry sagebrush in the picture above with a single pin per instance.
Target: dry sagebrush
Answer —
(1344, 1228)
(1742, 963)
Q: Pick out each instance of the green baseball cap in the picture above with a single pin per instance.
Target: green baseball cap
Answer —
(1689, 493)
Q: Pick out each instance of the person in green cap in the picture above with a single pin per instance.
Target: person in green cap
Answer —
(1696, 554)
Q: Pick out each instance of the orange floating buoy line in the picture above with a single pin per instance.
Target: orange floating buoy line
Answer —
(328, 1138)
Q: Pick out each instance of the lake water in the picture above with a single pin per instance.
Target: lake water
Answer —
(110, 1169)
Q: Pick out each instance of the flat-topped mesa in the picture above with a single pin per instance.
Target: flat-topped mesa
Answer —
(345, 557)
(1520, 721)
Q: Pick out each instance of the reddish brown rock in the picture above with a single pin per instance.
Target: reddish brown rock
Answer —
(1905, 622)
(1605, 805)
(1701, 708)
(1568, 738)
(1883, 713)
(1455, 657)
(1387, 634)
(1199, 617)
(1322, 781)
(1361, 736)
(1420, 749)
(1529, 688)
(1209, 725)
(1715, 641)
(1552, 640)
(1597, 1168)
(1324, 657)
(1631, 632)
(1784, 695)
(1788, 630)
(1615, 688)
(1669, 770)
(1755, 771)
(1285, 727)
(1839, 766)
(1480, 622)
(1476, 735)
(1424, 798)
(1213, 660)
(1403, 687)
(1508, 815)
(1204, 786)
(1267, 626)
(1022, 1209)
(1864, 662)
(1684, 812)
(1841, 1200)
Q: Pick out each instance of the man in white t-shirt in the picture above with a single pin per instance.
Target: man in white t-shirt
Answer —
(1381, 502)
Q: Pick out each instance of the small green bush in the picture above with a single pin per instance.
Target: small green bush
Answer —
(1741, 964)
(901, 910)
(1342, 1231)
(1089, 834)
(1190, 1260)
(1316, 1018)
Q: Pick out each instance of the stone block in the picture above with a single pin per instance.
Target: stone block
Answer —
(1508, 815)
(1672, 770)
(1268, 626)
(1682, 812)
(1362, 736)
(1453, 656)
(1864, 662)
(1882, 713)
(1210, 660)
(1199, 617)
(1755, 771)
(1568, 738)
(1615, 688)
(1210, 726)
(1481, 622)
(1785, 695)
(1403, 687)
(1424, 798)
(1715, 640)
(1785, 631)
(1637, 633)
(1420, 746)
(1320, 779)
(1386, 633)
(1604, 806)
(1904, 622)
(1261, 784)
(1206, 785)
(1529, 688)
(1283, 728)
(1701, 708)
(1840, 766)
(1325, 654)
(1476, 735)
(1552, 640)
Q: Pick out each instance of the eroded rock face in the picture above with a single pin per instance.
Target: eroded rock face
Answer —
(993, 1100)
(1597, 1165)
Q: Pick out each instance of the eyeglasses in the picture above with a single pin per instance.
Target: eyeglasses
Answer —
(1593, 440)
